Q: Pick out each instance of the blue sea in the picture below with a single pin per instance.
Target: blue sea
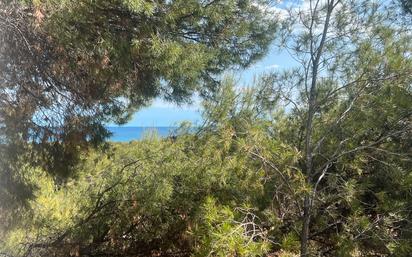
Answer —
(126, 134)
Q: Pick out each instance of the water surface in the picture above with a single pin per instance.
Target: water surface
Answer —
(126, 134)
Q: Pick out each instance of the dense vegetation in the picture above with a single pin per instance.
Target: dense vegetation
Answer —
(68, 67)
(315, 160)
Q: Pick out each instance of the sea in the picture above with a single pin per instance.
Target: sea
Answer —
(126, 134)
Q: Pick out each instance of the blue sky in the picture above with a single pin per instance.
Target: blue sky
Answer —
(163, 114)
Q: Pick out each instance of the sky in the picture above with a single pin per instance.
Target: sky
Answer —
(163, 114)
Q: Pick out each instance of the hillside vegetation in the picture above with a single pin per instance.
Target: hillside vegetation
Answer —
(310, 160)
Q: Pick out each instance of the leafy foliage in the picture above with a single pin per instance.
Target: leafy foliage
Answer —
(154, 196)
(312, 161)
(69, 67)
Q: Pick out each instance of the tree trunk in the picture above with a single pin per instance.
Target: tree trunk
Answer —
(312, 102)
(305, 227)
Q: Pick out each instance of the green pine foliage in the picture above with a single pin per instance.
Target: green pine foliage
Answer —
(197, 194)
(69, 67)
(232, 188)
(327, 152)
